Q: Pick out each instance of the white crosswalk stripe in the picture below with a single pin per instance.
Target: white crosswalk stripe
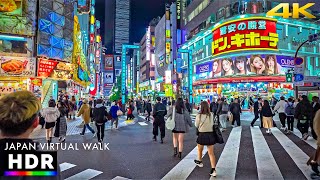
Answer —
(267, 166)
(86, 174)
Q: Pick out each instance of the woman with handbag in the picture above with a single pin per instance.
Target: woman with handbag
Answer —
(206, 137)
(182, 120)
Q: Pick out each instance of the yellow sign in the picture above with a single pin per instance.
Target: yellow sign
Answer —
(296, 10)
(168, 90)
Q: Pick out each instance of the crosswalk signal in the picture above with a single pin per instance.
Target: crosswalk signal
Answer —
(289, 77)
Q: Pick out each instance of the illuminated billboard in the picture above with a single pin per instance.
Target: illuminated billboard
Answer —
(255, 33)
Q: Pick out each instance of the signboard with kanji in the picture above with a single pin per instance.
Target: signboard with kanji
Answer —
(255, 33)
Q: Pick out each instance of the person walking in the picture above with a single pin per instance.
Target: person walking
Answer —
(235, 109)
(182, 120)
(257, 106)
(267, 115)
(139, 106)
(316, 106)
(100, 117)
(148, 109)
(188, 106)
(113, 112)
(62, 122)
(50, 115)
(303, 112)
(314, 161)
(159, 112)
(222, 112)
(84, 112)
(204, 124)
(213, 107)
(280, 108)
(289, 110)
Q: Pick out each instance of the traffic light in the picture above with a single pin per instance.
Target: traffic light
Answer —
(289, 77)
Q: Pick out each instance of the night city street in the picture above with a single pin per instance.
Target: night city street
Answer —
(159, 89)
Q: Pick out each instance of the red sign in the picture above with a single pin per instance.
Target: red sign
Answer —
(91, 38)
(256, 33)
(46, 67)
(36, 81)
(242, 80)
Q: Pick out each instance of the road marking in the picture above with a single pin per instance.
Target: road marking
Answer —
(266, 165)
(120, 178)
(65, 166)
(297, 155)
(143, 124)
(86, 174)
(227, 164)
(184, 168)
(310, 141)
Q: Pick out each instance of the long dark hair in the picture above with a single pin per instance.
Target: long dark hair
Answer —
(266, 104)
(179, 106)
(205, 109)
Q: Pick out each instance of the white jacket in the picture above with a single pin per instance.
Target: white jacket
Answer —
(50, 114)
(280, 106)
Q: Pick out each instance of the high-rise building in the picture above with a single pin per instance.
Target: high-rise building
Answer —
(117, 23)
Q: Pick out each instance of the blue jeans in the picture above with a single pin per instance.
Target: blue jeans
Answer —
(87, 126)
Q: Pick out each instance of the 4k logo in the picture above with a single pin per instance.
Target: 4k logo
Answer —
(296, 10)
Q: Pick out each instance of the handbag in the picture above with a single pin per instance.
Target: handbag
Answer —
(197, 130)
(230, 116)
(216, 131)
(170, 123)
(119, 113)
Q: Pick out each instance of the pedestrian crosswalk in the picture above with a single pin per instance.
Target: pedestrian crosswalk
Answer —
(85, 174)
(272, 156)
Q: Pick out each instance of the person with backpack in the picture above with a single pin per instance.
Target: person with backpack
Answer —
(159, 112)
(280, 108)
(235, 109)
(289, 110)
(303, 112)
(222, 112)
(100, 117)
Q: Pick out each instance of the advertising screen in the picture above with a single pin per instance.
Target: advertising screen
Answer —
(11, 8)
(108, 62)
(55, 69)
(17, 66)
(108, 78)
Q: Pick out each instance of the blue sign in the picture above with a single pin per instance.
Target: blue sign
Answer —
(298, 77)
(298, 61)
(203, 68)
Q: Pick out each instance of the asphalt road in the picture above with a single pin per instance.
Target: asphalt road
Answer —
(248, 153)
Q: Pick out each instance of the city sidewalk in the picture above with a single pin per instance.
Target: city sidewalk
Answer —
(72, 128)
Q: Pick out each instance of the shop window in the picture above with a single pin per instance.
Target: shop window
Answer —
(220, 14)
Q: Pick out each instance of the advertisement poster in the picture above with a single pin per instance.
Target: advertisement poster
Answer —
(55, 69)
(204, 71)
(216, 68)
(17, 66)
(227, 67)
(36, 81)
(108, 62)
(248, 33)
(11, 7)
(108, 78)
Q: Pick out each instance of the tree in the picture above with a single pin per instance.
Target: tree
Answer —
(116, 90)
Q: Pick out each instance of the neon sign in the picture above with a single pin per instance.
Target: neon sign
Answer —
(245, 34)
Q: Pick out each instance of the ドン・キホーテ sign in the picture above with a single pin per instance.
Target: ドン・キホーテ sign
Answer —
(256, 33)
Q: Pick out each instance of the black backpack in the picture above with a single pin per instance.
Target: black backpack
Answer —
(99, 114)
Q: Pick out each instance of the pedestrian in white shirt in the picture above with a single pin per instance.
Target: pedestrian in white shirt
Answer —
(280, 108)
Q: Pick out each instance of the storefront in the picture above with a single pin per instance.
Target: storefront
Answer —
(248, 56)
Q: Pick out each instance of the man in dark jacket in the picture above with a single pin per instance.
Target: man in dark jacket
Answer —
(235, 109)
(257, 109)
(148, 109)
(100, 117)
(222, 112)
(159, 112)
(213, 107)
(316, 106)
(303, 112)
(18, 118)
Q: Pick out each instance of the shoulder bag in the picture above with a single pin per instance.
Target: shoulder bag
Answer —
(216, 131)
(197, 130)
(170, 123)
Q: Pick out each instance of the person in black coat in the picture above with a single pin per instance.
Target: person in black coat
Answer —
(257, 111)
(159, 111)
(303, 112)
(235, 109)
(148, 109)
(316, 106)
(100, 117)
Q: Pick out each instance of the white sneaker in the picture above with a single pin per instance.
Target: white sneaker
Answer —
(213, 173)
(198, 163)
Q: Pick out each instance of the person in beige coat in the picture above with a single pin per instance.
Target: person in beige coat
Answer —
(84, 112)
(314, 160)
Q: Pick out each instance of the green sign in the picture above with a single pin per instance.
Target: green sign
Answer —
(289, 77)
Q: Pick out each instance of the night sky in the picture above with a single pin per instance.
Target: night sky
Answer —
(142, 12)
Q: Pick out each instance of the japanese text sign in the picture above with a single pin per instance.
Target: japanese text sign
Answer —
(249, 33)
(55, 69)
